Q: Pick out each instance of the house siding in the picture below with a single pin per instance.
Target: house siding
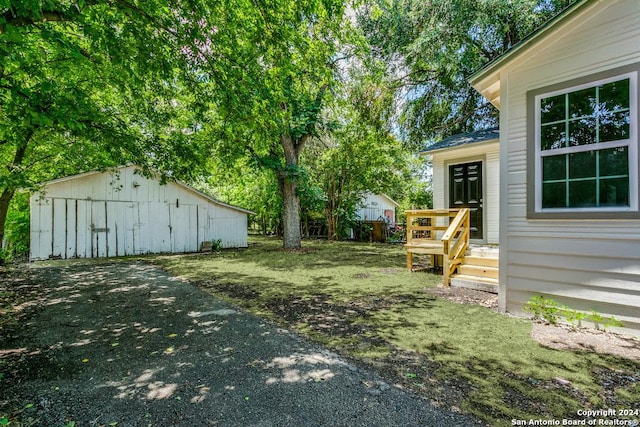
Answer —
(123, 213)
(489, 154)
(585, 264)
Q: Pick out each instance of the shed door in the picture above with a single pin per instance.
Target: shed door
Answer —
(183, 227)
(465, 191)
(99, 229)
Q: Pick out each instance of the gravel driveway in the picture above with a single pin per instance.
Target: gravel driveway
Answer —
(125, 344)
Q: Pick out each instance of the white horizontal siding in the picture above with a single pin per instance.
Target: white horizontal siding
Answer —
(492, 195)
(439, 183)
(584, 264)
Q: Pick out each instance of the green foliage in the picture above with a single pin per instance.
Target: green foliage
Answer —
(216, 245)
(573, 316)
(543, 308)
(242, 185)
(349, 154)
(16, 244)
(91, 85)
(358, 158)
(270, 100)
(431, 47)
(550, 311)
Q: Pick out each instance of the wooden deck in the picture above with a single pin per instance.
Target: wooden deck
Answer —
(441, 234)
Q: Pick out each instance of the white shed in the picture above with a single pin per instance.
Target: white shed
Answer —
(104, 214)
(375, 207)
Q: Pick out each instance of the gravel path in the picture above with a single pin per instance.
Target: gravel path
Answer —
(125, 344)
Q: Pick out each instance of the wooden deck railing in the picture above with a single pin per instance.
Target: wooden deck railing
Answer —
(438, 233)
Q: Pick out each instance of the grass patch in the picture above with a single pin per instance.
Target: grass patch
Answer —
(360, 300)
(341, 270)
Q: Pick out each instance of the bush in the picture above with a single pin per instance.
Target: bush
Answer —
(549, 310)
(16, 231)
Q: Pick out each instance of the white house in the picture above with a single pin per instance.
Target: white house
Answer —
(569, 164)
(377, 207)
(466, 174)
(104, 214)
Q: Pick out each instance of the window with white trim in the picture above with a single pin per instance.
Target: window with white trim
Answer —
(586, 147)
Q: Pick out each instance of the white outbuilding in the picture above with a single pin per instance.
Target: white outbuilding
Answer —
(374, 207)
(121, 212)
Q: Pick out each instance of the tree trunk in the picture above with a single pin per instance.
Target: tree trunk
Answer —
(292, 238)
(288, 184)
(5, 199)
(332, 213)
(332, 220)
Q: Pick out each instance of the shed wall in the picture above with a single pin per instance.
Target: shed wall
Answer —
(585, 264)
(374, 206)
(116, 214)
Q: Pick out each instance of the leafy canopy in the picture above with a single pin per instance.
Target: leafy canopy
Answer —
(431, 47)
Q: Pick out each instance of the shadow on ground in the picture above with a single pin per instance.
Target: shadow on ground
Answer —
(126, 344)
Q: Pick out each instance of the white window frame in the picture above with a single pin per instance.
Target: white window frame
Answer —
(631, 144)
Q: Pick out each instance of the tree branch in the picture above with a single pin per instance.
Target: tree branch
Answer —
(45, 16)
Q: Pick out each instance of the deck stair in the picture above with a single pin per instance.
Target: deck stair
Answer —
(479, 269)
(440, 234)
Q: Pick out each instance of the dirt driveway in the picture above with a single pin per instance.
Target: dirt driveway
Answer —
(125, 344)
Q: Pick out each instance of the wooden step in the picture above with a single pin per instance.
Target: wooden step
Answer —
(475, 282)
(478, 271)
(484, 251)
(482, 261)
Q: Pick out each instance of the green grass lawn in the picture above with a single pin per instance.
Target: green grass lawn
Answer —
(360, 300)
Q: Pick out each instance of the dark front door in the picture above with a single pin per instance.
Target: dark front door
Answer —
(465, 191)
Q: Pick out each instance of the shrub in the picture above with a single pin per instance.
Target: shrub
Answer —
(16, 232)
(548, 309)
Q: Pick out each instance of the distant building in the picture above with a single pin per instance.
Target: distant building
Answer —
(377, 207)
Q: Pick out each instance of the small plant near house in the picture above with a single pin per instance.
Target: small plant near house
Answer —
(543, 308)
(573, 316)
(549, 310)
(598, 319)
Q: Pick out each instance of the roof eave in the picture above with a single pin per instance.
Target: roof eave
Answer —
(458, 147)
(393, 202)
(179, 183)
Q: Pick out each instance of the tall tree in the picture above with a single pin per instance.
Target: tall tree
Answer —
(433, 46)
(354, 161)
(267, 103)
(360, 154)
(87, 85)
